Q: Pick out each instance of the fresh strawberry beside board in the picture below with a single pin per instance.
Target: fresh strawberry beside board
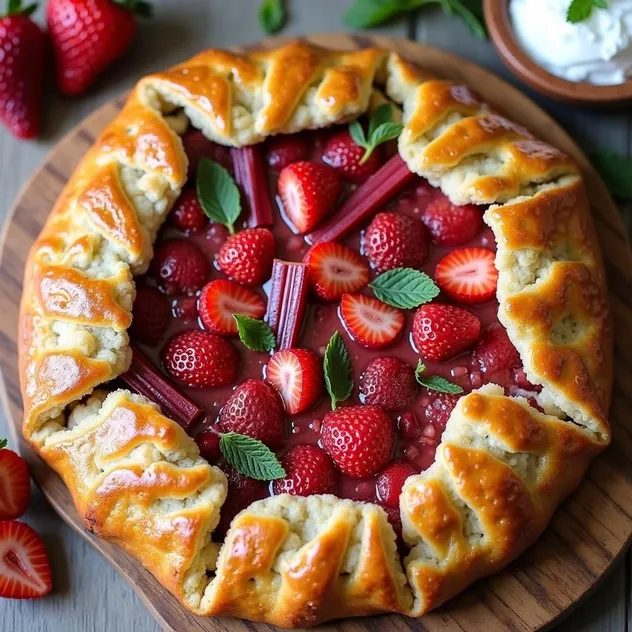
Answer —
(24, 568)
(15, 484)
(22, 55)
(89, 35)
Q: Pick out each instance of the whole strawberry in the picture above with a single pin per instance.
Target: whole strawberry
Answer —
(200, 359)
(359, 439)
(255, 409)
(22, 54)
(389, 383)
(393, 240)
(247, 256)
(88, 36)
(309, 471)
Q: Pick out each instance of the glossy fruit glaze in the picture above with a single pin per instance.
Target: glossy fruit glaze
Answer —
(420, 425)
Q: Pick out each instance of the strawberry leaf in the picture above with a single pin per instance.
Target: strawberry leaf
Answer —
(404, 288)
(435, 382)
(382, 114)
(616, 170)
(357, 134)
(255, 334)
(218, 194)
(272, 16)
(3, 443)
(338, 371)
(250, 457)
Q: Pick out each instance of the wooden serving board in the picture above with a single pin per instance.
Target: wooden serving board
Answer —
(589, 532)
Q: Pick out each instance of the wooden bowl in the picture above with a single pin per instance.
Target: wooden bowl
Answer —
(520, 63)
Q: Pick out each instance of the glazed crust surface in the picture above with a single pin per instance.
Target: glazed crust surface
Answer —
(137, 478)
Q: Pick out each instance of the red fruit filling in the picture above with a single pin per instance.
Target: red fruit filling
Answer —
(362, 224)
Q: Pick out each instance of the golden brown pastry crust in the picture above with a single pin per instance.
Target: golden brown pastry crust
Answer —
(137, 478)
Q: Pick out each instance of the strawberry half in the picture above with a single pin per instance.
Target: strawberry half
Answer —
(220, 300)
(370, 322)
(468, 275)
(15, 485)
(335, 270)
(297, 375)
(309, 192)
(24, 568)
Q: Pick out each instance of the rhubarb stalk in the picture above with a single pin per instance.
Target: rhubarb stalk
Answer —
(287, 302)
(250, 175)
(378, 189)
(143, 378)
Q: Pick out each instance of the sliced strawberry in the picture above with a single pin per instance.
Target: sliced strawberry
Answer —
(442, 331)
(24, 568)
(451, 225)
(285, 149)
(220, 300)
(15, 485)
(309, 470)
(342, 153)
(247, 256)
(393, 240)
(335, 270)
(309, 192)
(370, 322)
(298, 376)
(468, 275)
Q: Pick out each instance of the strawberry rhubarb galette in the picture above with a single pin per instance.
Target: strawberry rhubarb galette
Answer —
(314, 334)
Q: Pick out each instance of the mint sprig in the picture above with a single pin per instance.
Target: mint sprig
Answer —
(255, 334)
(381, 130)
(580, 10)
(404, 288)
(369, 13)
(616, 171)
(218, 194)
(272, 16)
(3, 443)
(250, 457)
(435, 382)
(338, 371)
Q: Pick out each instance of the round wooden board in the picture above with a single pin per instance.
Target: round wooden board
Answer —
(589, 532)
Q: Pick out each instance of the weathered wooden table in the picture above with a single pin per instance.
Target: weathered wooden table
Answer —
(89, 596)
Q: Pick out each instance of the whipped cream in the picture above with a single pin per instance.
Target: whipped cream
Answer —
(597, 50)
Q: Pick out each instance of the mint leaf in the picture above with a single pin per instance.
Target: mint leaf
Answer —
(255, 334)
(381, 129)
(616, 171)
(218, 194)
(250, 457)
(3, 443)
(471, 12)
(435, 382)
(272, 16)
(580, 10)
(382, 114)
(404, 288)
(338, 371)
(367, 13)
(357, 134)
